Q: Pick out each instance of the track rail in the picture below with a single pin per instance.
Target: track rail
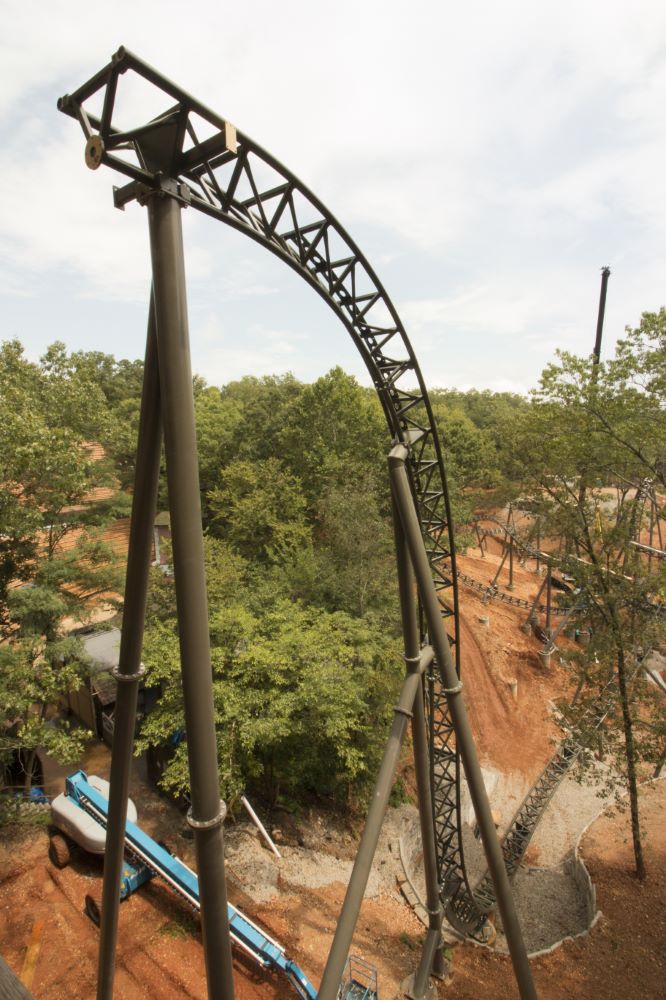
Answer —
(194, 155)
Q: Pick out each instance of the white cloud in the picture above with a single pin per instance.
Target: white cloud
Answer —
(503, 152)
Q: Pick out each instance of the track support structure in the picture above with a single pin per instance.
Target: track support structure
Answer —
(129, 664)
(167, 401)
(191, 156)
(452, 687)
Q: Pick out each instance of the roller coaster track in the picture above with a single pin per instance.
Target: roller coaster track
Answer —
(505, 529)
(199, 158)
(525, 821)
(517, 602)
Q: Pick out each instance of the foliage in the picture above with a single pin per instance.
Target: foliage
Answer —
(260, 509)
(301, 697)
(335, 433)
(351, 564)
(492, 414)
(54, 489)
(591, 448)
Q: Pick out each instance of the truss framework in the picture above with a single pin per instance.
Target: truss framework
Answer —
(199, 158)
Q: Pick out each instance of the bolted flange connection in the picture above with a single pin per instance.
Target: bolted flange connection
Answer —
(94, 151)
(207, 824)
(128, 678)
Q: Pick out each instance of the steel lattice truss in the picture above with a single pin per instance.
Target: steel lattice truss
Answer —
(198, 157)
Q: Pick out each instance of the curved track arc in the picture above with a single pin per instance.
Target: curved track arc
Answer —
(229, 177)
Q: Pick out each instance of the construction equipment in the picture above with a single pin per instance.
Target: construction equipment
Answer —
(80, 813)
(359, 981)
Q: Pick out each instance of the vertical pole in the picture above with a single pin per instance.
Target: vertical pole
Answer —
(129, 666)
(432, 958)
(605, 274)
(452, 687)
(510, 587)
(207, 812)
(538, 544)
(548, 598)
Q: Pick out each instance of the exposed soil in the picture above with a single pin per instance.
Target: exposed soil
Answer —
(160, 956)
(297, 900)
(625, 953)
(516, 735)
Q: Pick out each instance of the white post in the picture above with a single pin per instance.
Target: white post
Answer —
(260, 826)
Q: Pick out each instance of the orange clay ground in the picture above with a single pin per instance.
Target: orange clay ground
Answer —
(160, 955)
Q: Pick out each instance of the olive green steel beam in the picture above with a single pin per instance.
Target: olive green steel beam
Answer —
(130, 669)
(452, 687)
(207, 812)
(344, 932)
(432, 958)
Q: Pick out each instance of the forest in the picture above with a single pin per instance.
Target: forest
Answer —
(304, 622)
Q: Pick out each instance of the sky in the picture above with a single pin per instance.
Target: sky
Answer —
(488, 158)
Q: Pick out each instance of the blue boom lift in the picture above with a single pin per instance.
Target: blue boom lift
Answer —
(149, 859)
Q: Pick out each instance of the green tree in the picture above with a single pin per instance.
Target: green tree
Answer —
(351, 564)
(120, 383)
(259, 509)
(335, 433)
(53, 489)
(591, 428)
(301, 698)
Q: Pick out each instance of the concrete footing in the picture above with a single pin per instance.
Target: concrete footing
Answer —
(407, 989)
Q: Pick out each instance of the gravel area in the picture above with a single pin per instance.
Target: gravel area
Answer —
(261, 875)
(548, 899)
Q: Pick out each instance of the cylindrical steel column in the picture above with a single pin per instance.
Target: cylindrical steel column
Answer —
(129, 665)
(452, 688)
(432, 959)
(207, 812)
(344, 931)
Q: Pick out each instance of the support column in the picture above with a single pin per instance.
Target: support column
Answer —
(358, 881)
(129, 665)
(510, 587)
(432, 957)
(207, 812)
(452, 688)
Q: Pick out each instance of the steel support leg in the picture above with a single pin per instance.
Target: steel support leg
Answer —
(129, 668)
(452, 689)
(358, 881)
(207, 812)
(432, 958)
